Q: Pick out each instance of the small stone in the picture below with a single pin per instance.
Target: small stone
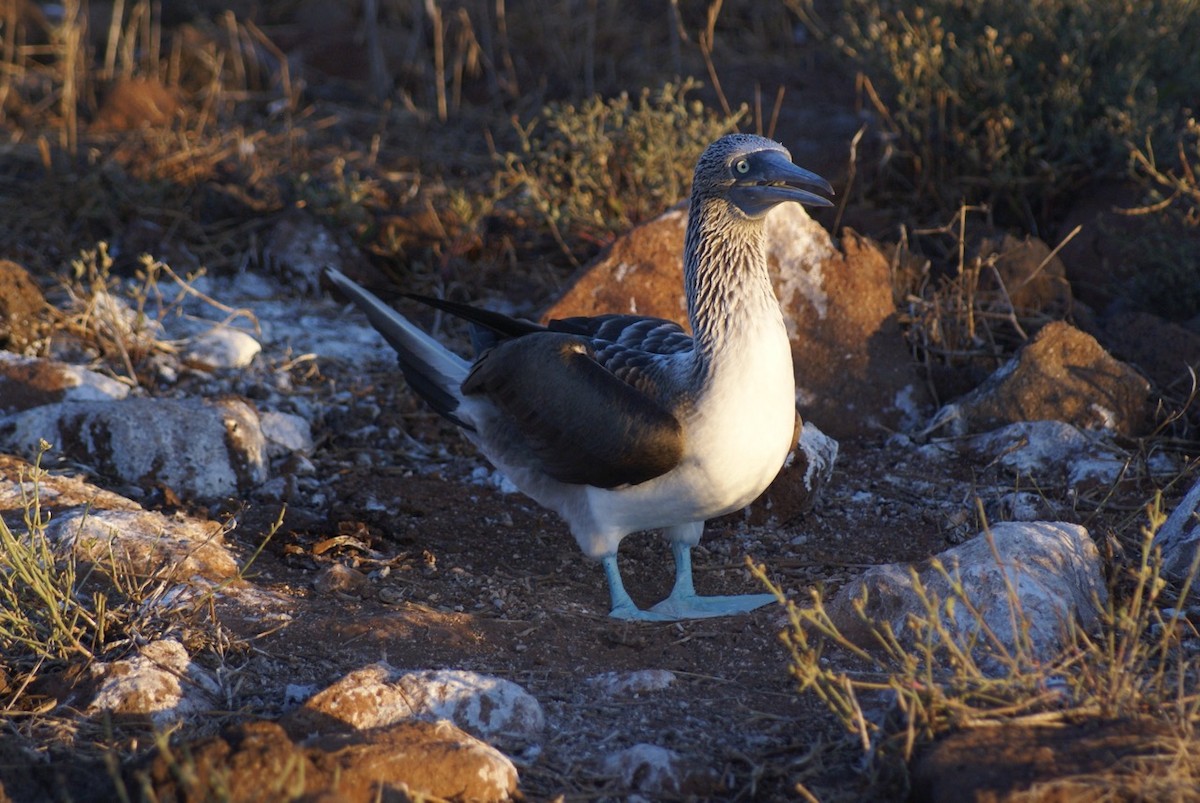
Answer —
(287, 432)
(257, 761)
(221, 348)
(616, 684)
(174, 548)
(657, 772)
(339, 579)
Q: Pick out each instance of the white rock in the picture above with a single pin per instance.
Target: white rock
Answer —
(176, 548)
(615, 684)
(199, 449)
(1058, 450)
(160, 682)
(491, 708)
(1179, 537)
(44, 381)
(1054, 569)
(821, 453)
(651, 772)
(289, 432)
(220, 348)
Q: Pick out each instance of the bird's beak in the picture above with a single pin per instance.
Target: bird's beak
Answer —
(773, 179)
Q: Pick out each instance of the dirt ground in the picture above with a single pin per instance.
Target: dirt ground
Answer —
(462, 575)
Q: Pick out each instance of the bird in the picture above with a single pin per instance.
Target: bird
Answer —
(622, 423)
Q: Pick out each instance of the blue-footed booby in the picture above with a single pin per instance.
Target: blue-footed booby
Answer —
(623, 423)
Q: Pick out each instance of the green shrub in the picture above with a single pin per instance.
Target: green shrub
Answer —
(1019, 106)
(596, 169)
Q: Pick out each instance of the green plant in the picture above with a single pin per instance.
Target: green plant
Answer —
(598, 168)
(1133, 665)
(1019, 109)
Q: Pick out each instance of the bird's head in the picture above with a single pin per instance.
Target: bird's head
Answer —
(754, 174)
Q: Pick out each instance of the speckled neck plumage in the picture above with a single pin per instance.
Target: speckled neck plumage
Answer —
(725, 274)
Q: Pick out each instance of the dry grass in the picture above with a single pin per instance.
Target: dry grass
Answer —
(895, 699)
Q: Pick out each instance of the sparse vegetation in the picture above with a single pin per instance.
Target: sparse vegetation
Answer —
(1020, 110)
(1134, 665)
(597, 169)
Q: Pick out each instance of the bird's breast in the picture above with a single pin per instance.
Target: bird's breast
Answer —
(740, 430)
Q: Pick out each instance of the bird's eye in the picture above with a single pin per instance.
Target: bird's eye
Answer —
(742, 166)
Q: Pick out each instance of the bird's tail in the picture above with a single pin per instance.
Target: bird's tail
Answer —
(433, 372)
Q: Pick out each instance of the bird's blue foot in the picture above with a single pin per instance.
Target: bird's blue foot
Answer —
(633, 613)
(694, 606)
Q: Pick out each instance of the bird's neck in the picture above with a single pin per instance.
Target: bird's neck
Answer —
(728, 289)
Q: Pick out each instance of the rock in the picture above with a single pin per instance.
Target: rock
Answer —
(854, 374)
(656, 773)
(285, 433)
(171, 549)
(24, 313)
(616, 684)
(1138, 338)
(198, 449)
(56, 493)
(1179, 537)
(257, 761)
(135, 103)
(796, 490)
(1055, 762)
(1030, 277)
(1062, 374)
(338, 579)
(1098, 272)
(300, 247)
(1054, 452)
(1054, 568)
(160, 685)
(99, 524)
(491, 708)
(27, 382)
(221, 348)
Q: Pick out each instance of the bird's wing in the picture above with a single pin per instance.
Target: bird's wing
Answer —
(636, 332)
(564, 413)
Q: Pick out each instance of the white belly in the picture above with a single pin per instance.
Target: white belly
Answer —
(737, 438)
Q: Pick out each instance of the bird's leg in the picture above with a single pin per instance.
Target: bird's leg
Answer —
(684, 603)
(622, 604)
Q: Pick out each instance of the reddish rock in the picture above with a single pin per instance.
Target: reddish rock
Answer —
(1139, 338)
(1096, 270)
(854, 374)
(135, 103)
(489, 707)
(1026, 274)
(24, 313)
(1054, 762)
(1062, 374)
(258, 761)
